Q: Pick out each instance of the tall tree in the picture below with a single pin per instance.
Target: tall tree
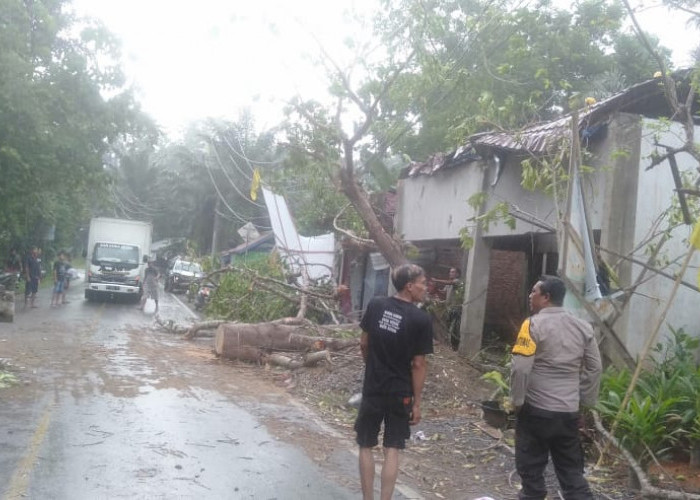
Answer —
(445, 70)
(55, 124)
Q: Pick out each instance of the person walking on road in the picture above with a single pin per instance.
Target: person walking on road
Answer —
(150, 285)
(396, 336)
(32, 276)
(59, 280)
(70, 273)
(556, 367)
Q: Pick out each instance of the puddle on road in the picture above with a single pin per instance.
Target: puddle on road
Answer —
(139, 412)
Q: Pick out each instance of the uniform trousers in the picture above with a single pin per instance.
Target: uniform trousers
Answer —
(539, 433)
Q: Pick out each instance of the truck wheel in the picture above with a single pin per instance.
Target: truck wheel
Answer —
(88, 295)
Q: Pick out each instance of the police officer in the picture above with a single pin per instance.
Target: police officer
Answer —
(555, 368)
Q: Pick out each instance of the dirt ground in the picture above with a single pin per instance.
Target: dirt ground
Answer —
(453, 453)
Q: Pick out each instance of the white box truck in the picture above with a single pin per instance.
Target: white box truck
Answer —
(117, 253)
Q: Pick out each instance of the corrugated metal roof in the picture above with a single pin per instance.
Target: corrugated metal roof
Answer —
(646, 99)
(461, 156)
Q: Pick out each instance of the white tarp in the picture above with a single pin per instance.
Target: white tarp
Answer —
(579, 264)
(312, 257)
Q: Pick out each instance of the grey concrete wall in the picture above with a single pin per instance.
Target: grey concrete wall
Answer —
(623, 199)
(656, 193)
(435, 207)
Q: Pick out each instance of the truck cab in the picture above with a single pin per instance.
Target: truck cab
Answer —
(118, 251)
(114, 268)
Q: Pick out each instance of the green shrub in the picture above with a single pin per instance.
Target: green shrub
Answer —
(663, 413)
(238, 298)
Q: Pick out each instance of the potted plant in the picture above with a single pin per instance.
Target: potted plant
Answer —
(498, 411)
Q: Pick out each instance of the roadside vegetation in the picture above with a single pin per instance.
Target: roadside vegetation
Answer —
(75, 144)
(662, 418)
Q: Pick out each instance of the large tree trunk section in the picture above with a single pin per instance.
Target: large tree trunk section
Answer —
(388, 246)
(230, 337)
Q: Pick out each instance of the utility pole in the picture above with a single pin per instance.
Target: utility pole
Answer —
(215, 232)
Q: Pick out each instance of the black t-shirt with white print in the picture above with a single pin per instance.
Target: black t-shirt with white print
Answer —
(397, 331)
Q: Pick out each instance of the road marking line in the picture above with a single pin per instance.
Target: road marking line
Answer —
(20, 479)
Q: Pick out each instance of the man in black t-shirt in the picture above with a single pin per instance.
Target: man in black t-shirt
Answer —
(396, 336)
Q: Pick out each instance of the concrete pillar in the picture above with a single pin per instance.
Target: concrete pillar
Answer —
(476, 282)
(621, 180)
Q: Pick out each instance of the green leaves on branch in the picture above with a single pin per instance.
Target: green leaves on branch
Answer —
(55, 124)
(499, 213)
(544, 174)
(238, 298)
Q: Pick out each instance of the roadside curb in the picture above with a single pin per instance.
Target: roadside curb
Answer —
(190, 313)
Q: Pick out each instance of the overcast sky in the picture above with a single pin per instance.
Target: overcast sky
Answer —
(192, 60)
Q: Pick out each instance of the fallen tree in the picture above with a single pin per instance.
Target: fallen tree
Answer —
(302, 342)
(205, 325)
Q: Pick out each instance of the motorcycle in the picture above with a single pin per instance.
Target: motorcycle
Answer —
(203, 295)
(9, 280)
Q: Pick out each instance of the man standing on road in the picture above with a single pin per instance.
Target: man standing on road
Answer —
(556, 367)
(150, 285)
(59, 280)
(32, 276)
(396, 336)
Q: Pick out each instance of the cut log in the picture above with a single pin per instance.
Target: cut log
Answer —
(283, 361)
(245, 353)
(274, 337)
(313, 358)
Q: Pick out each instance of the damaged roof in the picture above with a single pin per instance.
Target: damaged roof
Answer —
(647, 99)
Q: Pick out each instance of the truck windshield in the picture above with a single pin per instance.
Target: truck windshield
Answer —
(114, 253)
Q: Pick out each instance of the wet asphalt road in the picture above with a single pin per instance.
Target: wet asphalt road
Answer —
(108, 406)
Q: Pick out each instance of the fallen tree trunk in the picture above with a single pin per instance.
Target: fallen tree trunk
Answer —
(310, 359)
(313, 358)
(248, 353)
(206, 325)
(274, 336)
(170, 326)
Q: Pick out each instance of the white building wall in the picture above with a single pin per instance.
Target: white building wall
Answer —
(656, 193)
(435, 207)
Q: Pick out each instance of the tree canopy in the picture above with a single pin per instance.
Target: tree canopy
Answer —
(486, 65)
(73, 141)
(55, 121)
(443, 70)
